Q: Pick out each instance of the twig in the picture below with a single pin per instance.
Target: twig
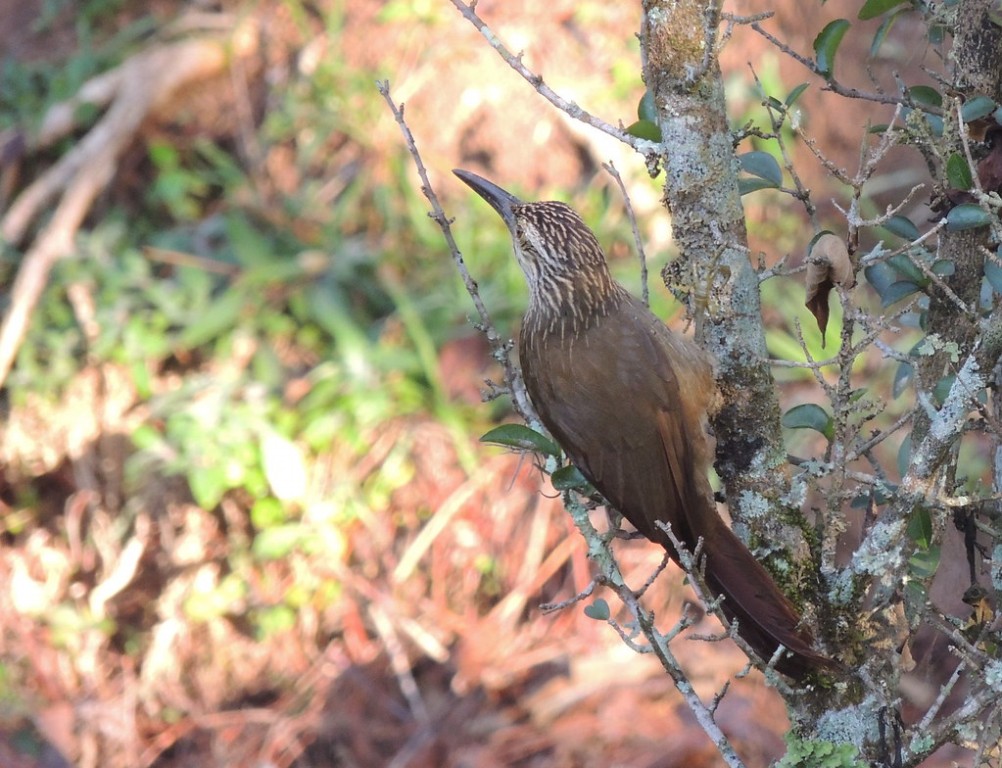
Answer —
(183, 259)
(562, 604)
(836, 87)
(690, 562)
(610, 575)
(401, 665)
(643, 146)
(500, 349)
(641, 254)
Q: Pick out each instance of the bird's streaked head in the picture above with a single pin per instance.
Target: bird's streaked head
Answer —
(563, 263)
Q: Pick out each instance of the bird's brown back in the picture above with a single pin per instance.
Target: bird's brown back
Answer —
(610, 393)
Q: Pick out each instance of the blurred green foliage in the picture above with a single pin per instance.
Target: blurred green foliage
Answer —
(259, 347)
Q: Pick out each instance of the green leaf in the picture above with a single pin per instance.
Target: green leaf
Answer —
(250, 247)
(881, 34)
(568, 478)
(994, 274)
(904, 455)
(207, 485)
(521, 438)
(920, 527)
(278, 541)
(907, 268)
(646, 109)
(221, 316)
(978, 107)
(599, 610)
(873, 8)
(645, 129)
(763, 165)
(925, 95)
(809, 416)
(902, 227)
(897, 291)
(826, 45)
(795, 94)
(942, 389)
(146, 437)
(943, 267)
(880, 276)
(923, 564)
(752, 184)
(967, 216)
(267, 513)
(958, 173)
(902, 378)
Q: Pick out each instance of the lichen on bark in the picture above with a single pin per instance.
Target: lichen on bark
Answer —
(712, 272)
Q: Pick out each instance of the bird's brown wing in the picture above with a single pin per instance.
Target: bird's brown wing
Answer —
(613, 399)
(605, 397)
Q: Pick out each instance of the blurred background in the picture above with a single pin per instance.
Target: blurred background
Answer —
(245, 515)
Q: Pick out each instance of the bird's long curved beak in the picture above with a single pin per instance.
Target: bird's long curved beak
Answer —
(501, 201)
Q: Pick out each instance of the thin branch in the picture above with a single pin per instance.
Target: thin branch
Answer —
(641, 254)
(609, 573)
(836, 87)
(643, 146)
(500, 348)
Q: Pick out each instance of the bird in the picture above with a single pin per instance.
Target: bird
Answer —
(628, 400)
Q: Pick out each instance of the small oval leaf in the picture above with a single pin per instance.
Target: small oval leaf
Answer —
(795, 94)
(994, 274)
(753, 184)
(881, 34)
(568, 478)
(978, 107)
(920, 527)
(599, 610)
(923, 564)
(925, 95)
(958, 172)
(895, 292)
(809, 416)
(967, 216)
(826, 45)
(646, 110)
(942, 389)
(902, 378)
(944, 267)
(902, 227)
(763, 165)
(645, 129)
(873, 8)
(521, 438)
(904, 455)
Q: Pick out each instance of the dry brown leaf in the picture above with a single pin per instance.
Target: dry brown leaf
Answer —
(828, 265)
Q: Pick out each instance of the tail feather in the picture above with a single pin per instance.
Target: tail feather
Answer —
(766, 618)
